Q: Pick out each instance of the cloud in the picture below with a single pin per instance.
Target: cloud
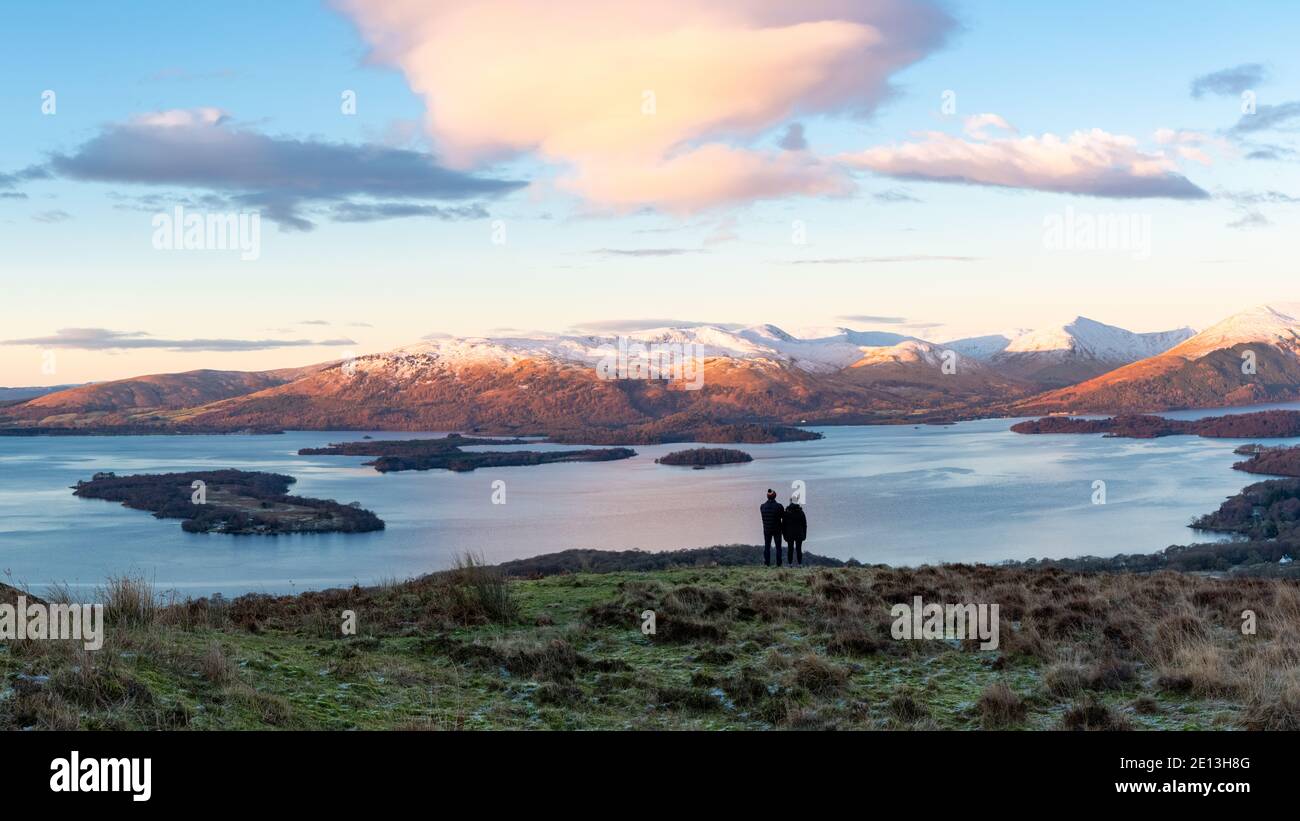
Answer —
(1267, 197)
(9, 181)
(1191, 145)
(793, 139)
(1267, 117)
(1229, 81)
(201, 148)
(648, 104)
(1265, 151)
(976, 126)
(1247, 203)
(31, 172)
(647, 252)
(1093, 163)
(904, 258)
(894, 195)
(875, 320)
(372, 211)
(632, 325)
(1250, 218)
(57, 215)
(103, 339)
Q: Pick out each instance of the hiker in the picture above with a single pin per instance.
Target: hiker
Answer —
(772, 513)
(794, 526)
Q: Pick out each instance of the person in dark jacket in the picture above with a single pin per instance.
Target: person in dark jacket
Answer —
(772, 513)
(794, 526)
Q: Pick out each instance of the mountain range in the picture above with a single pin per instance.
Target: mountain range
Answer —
(1249, 358)
(552, 383)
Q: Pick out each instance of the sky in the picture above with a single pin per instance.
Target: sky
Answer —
(411, 168)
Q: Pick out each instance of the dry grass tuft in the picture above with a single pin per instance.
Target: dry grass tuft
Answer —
(999, 706)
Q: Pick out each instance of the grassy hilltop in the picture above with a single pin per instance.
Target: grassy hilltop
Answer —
(737, 647)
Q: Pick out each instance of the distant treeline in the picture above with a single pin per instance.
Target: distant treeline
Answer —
(247, 506)
(1258, 425)
(703, 457)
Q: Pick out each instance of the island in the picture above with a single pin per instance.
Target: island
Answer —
(446, 454)
(700, 458)
(231, 501)
(673, 430)
(1262, 511)
(1261, 424)
(1274, 461)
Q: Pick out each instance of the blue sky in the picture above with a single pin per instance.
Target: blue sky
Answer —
(962, 256)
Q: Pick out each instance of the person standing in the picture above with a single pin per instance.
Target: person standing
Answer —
(772, 514)
(794, 526)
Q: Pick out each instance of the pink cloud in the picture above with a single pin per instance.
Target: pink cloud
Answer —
(1087, 162)
(1191, 145)
(647, 104)
(975, 125)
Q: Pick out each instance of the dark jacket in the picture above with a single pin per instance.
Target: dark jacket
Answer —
(794, 525)
(772, 513)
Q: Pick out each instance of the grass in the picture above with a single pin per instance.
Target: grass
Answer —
(734, 648)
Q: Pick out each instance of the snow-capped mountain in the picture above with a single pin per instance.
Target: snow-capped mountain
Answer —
(1096, 340)
(831, 350)
(1067, 353)
(542, 382)
(1207, 370)
(1277, 324)
(554, 381)
(983, 347)
(1080, 336)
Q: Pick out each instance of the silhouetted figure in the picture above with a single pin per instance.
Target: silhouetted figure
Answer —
(794, 526)
(772, 513)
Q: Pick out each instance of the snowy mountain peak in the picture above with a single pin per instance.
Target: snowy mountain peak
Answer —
(818, 350)
(766, 342)
(769, 332)
(907, 351)
(1274, 324)
(1080, 337)
(982, 347)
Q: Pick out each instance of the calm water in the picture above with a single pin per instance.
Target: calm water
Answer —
(900, 495)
